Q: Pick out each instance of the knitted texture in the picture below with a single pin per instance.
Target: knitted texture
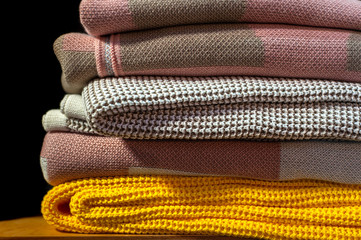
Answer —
(217, 108)
(206, 205)
(100, 17)
(70, 156)
(268, 50)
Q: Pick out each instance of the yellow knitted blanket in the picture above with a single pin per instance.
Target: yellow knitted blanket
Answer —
(206, 206)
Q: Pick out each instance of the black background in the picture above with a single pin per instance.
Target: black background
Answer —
(30, 87)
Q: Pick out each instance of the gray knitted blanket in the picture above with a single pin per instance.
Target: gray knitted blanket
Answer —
(212, 108)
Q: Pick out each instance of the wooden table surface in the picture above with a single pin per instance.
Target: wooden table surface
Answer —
(36, 228)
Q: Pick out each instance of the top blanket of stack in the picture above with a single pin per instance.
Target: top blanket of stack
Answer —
(101, 17)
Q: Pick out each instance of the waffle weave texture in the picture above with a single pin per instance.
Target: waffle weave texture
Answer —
(101, 17)
(68, 156)
(213, 108)
(268, 50)
(207, 206)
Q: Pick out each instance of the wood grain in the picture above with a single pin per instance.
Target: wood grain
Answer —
(36, 228)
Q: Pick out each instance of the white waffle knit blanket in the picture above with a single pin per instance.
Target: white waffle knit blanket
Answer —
(212, 108)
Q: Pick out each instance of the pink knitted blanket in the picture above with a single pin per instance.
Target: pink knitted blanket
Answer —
(100, 17)
(67, 156)
(270, 50)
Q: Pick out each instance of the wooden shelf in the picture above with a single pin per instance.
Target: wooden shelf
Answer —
(36, 228)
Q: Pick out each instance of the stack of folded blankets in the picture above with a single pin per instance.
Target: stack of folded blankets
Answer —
(208, 117)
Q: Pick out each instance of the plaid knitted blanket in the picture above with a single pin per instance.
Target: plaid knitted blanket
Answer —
(222, 206)
(69, 156)
(100, 17)
(212, 108)
(270, 50)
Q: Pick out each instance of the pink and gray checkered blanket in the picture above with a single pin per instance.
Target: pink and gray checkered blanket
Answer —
(269, 50)
(101, 17)
(66, 156)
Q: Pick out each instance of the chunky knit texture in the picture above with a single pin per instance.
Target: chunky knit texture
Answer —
(100, 17)
(214, 108)
(68, 156)
(206, 205)
(268, 50)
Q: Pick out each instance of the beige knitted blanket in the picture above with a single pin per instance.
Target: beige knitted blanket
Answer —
(212, 108)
